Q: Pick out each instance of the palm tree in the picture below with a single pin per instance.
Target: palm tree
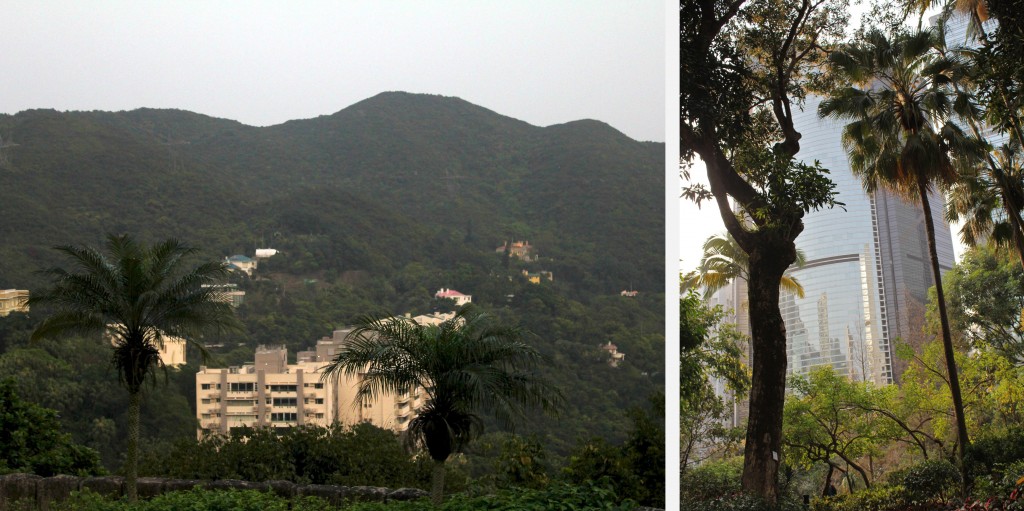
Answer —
(990, 202)
(723, 261)
(901, 137)
(466, 366)
(139, 296)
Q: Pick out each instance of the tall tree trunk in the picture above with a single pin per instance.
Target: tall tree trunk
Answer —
(768, 379)
(132, 463)
(828, 480)
(947, 339)
(437, 483)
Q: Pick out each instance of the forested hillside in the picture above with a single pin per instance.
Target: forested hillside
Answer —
(373, 209)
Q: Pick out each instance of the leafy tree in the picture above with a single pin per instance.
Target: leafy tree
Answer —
(635, 469)
(710, 349)
(138, 295)
(31, 440)
(724, 261)
(828, 421)
(467, 366)
(746, 65)
(901, 136)
(986, 301)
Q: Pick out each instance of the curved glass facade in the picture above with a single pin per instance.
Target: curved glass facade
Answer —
(867, 272)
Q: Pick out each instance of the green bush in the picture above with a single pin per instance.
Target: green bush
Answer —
(930, 481)
(876, 498)
(1001, 483)
(196, 500)
(711, 480)
(31, 440)
(563, 497)
(360, 455)
(988, 452)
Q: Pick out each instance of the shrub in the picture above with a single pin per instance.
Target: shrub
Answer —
(738, 502)
(930, 481)
(195, 500)
(990, 451)
(1005, 492)
(562, 497)
(711, 480)
(876, 498)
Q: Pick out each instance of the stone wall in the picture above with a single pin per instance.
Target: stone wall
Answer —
(45, 490)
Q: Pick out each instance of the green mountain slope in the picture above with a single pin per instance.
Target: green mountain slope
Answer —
(373, 208)
(581, 191)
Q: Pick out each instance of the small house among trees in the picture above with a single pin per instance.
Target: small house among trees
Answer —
(521, 250)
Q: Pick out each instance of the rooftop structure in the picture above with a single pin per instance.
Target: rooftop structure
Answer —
(451, 294)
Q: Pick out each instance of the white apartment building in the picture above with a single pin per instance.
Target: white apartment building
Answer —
(273, 393)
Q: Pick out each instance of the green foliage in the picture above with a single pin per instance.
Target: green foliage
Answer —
(992, 451)
(635, 470)
(710, 349)
(715, 485)
(986, 297)
(876, 498)
(31, 440)
(522, 463)
(562, 497)
(196, 500)
(361, 455)
(1005, 481)
(832, 420)
(711, 480)
(930, 481)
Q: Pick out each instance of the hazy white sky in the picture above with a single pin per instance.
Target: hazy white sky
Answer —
(266, 62)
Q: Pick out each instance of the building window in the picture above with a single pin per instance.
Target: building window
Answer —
(210, 386)
(318, 385)
(242, 387)
(283, 388)
(284, 401)
(319, 401)
(283, 417)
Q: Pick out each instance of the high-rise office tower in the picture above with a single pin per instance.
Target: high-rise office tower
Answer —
(867, 273)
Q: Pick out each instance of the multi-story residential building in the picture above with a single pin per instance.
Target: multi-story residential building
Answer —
(273, 393)
(13, 300)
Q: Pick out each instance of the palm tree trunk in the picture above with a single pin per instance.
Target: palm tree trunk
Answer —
(132, 463)
(768, 379)
(1013, 213)
(437, 483)
(947, 339)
